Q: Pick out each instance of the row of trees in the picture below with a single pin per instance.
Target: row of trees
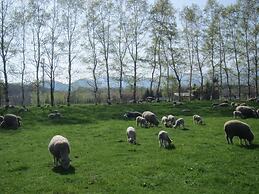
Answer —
(129, 39)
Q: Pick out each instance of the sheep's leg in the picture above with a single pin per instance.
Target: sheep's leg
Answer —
(231, 140)
(160, 143)
(241, 143)
(227, 138)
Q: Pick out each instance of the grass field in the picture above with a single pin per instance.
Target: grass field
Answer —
(103, 161)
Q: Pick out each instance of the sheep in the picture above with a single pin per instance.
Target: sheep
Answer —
(141, 121)
(237, 128)
(11, 121)
(132, 115)
(59, 147)
(197, 119)
(164, 140)
(171, 119)
(151, 118)
(55, 115)
(179, 122)
(164, 120)
(237, 114)
(247, 111)
(131, 135)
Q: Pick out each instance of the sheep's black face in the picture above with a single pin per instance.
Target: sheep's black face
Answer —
(250, 137)
(65, 163)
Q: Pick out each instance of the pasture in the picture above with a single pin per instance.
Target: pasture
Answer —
(104, 162)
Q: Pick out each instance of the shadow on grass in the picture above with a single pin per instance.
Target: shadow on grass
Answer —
(185, 129)
(250, 147)
(62, 171)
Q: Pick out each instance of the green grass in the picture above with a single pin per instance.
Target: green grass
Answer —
(103, 161)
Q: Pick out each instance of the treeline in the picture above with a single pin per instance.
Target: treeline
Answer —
(130, 39)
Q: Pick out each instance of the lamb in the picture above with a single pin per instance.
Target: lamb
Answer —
(141, 121)
(164, 121)
(11, 121)
(59, 147)
(179, 122)
(131, 135)
(197, 119)
(237, 128)
(164, 139)
(237, 113)
(132, 115)
(151, 118)
(247, 111)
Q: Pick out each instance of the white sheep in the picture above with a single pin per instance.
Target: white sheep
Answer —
(197, 119)
(131, 135)
(237, 113)
(164, 121)
(141, 121)
(179, 122)
(59, 147)
(164, 140)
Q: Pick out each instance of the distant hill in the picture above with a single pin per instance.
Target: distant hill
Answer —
(87, 83)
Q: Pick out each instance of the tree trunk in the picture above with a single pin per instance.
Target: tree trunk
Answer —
(226, 71)
(69, 73)
(238, 71)
(154, 67)
(200, 69)
(120, 80)
(248, 64)
(213, 71)
(37, 69)
(160, 71)
(256, 66)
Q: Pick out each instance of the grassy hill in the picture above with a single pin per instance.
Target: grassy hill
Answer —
(103, 161)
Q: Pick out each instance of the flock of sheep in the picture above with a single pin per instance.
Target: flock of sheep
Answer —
(59, 146)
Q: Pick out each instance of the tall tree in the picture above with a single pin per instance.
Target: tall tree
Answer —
(212, 21)
(70, 17)
(51, 45)
(7, 34)
(119, 43)
(38, 19)
(104, 37)
(136, 28)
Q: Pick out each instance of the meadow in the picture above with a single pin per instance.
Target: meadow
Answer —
(104, 162)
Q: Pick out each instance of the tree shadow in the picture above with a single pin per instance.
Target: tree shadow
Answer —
(62, 171)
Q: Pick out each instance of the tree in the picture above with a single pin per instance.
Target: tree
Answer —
(51, 46)
(135, 30)
(7, 34)
(38, 20)
(104, 37)
(70, 15)
(119, 43)
(212, 21)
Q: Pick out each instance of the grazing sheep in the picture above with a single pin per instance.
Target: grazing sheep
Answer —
(164, 139)
(132, 115)
(151, 118)
(252, 99)
(237, 114)
(237, 128)
(197, 119)
(171, 119)
(54, 115)
(164, 121)
(179, 123)
(141, 121)
(131, 135)
(247, 111)
(59, 147)
(11, 121)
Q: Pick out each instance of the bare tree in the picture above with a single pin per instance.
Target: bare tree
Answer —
(38, 20)
(136, 26)
(7, 34)
(51, 45)
(119, 42)
(71, 13)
